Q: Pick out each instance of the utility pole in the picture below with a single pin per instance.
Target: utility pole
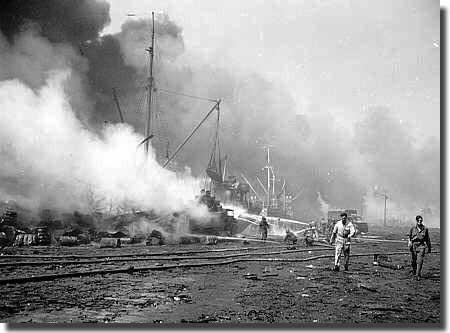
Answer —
(151, 52)
(270, 188)
(385, 200)
(274, 197)
(362, 208)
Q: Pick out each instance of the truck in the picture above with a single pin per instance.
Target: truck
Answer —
(352, 215)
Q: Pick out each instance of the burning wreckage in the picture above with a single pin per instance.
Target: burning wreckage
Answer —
(134, 228)
(82, 229)
(177, 228)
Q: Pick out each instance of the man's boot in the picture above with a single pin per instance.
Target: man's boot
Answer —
(336, 268)
(346, 268)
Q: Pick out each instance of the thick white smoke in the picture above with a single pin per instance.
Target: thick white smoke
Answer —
(51, 160)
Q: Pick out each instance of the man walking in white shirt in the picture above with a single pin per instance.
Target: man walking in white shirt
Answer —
(343, 231)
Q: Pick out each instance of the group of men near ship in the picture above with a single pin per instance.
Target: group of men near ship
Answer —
(343, 231)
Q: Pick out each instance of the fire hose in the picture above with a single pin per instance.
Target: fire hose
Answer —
(76, 262)
(17, 256)
(132, 269)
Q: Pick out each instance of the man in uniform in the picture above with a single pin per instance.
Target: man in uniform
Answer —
(343, 231)
(418, 242)
(290, 237)
(263, 226)
(323, 225)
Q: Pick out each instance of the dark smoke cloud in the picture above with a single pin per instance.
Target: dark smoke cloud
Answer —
(60, 21)
(99, 60)
(68, 26)
(107, 70)
(120, 61)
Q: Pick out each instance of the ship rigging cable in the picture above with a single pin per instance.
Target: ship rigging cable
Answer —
(187, 95)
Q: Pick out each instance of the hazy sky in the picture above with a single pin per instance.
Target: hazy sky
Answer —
(340, 55)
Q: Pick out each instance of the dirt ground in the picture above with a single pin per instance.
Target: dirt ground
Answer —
(277, 292)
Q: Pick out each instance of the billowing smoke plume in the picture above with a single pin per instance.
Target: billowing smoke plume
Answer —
(312, 150)
(53, 159)
(58, 162)
(134, 37)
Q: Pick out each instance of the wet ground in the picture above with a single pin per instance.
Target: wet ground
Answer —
(241, 292)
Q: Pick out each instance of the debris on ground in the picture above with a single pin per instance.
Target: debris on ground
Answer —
(222, 293)
(110, 242)
(250, 276)
(366, 287)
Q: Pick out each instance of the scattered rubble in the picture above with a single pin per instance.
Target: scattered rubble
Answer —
(110, 242)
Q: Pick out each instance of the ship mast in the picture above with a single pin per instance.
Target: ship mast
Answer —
(151, 88)
(151, 52)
